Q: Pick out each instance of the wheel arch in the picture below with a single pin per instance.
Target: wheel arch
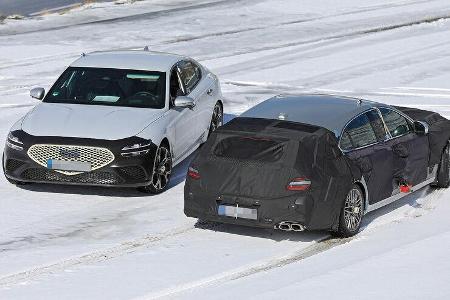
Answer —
(165, 141)
(361, 183)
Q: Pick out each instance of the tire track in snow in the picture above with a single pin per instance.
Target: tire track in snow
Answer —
(354, 34)
(324, 244)
(169, 11)
(266, 87)
(158, 13)
(299, 21)
(31, 61)
(418, 209)
(90, 258)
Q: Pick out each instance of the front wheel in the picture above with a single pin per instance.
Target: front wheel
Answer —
(443, 175)
(351, 213)
(162, 170)
(217, 118)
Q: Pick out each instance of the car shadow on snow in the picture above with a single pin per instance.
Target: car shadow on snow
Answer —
(178, 176)
(276, 235)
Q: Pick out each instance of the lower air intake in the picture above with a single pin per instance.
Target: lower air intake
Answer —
(99, 178)
(133, 172)
(12, 165)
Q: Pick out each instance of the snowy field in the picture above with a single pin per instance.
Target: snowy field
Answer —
(60, 242)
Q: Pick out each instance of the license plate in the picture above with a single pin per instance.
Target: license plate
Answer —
(238, 212)
(62, 165)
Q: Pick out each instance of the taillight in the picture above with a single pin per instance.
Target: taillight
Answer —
(193, 173)
(299, 184)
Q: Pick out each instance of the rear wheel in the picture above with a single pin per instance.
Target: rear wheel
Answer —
(351, 213)
(217, 118)
(443, 175)
(162, 170)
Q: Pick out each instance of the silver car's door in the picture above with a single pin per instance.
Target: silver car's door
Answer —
(183, 119)
(199, 86)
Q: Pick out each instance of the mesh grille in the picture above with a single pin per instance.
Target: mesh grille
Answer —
(134, 172)
(88, 178)
(13, 164)
(97, 157)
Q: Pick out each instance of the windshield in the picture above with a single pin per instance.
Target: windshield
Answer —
(112, 87)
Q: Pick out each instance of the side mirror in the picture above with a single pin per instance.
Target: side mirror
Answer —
(421, 128)
(184, 101)
(37, 93)
(400, 130)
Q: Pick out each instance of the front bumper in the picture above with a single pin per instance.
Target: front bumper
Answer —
(121, 172)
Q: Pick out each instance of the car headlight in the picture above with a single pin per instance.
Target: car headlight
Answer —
(136, 149)
(14, 142)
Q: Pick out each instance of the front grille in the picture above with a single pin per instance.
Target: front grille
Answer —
(13, 164)
(87, 178)
(97, 157)
(134, 172)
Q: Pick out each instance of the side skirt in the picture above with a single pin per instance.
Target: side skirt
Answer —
(372, 207)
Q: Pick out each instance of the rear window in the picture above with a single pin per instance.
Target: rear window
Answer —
(250, 148)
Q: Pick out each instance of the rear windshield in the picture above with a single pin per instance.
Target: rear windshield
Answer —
(250, 148)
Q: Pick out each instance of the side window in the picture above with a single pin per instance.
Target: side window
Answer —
(377, 125)
(395, 122)
(175, 89)
(358, 133)
(190, 75)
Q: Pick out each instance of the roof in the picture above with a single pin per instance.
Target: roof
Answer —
(132, 59)
(272, 127)
(328, 111)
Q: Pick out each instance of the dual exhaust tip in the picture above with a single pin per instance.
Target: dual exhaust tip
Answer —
(290, 226)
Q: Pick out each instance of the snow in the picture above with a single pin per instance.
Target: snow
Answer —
(99, 243)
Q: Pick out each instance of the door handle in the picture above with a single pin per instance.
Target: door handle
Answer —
(210, 92)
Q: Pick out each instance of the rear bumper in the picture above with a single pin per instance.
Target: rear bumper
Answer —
(122, 172)
(270, 212)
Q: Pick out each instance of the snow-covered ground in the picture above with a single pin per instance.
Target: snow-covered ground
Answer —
(96, 243)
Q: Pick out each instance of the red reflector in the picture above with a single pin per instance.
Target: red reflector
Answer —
(405, 188)
(193, 173)
(299, 184)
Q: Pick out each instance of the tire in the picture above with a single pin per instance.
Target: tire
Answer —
(443, 175)
(162, 171)
(217, 118)
(351, 213)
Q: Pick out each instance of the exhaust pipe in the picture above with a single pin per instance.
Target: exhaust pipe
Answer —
(285, 226)
(297, 227)
(290, 226)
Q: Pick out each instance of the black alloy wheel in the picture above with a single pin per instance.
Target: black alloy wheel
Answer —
(351, 213)
(217, 118)
(162, 170)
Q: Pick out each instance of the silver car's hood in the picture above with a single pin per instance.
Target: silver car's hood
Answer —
(88, 121)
